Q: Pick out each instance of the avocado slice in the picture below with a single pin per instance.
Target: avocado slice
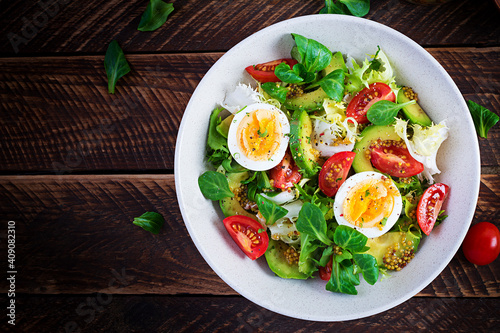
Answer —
(413, 112)
(312, 101)
(389, 248)
(231, 206)
(223, 127)
(276, 259)
(369, 135)
(304, 155)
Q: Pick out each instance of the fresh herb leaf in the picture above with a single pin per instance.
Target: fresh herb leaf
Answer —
(308, 247)
(214, 185)
(333, 84)
(350, 239)
(271, 211)
(150, 221)
(483, 118)
(368, 265)
(332, 7)
(383, 112)
(115, 65)
(155, 15)
(346, 255)
(314, 55)
(275, 91)
(262, 134)
(343, 279)
(216, 142)
(287, 74)
(311, 221)
(227, 164)
(325, 256)
(357, 8)
(375, 63)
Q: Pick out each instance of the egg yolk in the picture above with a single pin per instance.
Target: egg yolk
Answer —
(259, 134)
(369, 202)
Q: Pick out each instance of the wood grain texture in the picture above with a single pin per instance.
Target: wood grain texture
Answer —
(74, 235)
(63, 26)
(57, 117)
(118, 313)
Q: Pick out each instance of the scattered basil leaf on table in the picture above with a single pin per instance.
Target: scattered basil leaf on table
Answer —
(115, 65)
(483, 118)
(150, 221)
(271, 211)
(383, 112)
(214, 186)
(155, 15)
(357, 8)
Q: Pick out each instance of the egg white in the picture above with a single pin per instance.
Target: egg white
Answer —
(342, 193)
(240, 157)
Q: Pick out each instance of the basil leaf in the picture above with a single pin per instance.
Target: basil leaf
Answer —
(214, 185)
(368, 265)
(287, 74)
(333, 84)
(343, 279)
(271, 211)
(275, 90)
(349, 239)
(314, 55)
(334, 8)
(483, 118)
(312, 222)
(383, 112)
(150, 221)
(115, 65)
(357, 8)
(155, 15)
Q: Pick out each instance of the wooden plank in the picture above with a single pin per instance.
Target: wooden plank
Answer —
(74, 234)
(57, 117)
(61, 26)
(116, 313)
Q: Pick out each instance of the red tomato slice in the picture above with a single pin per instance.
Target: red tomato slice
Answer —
(245, 232)
(481, 246)
(394, 159)
(359, 105)
(334, 172)
(326, 272)
(429, 206)
(265, 72)
(285, 174)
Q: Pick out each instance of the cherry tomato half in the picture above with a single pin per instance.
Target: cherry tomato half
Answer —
(395, 160)
(265, 72)
(334, 172)
(429, 206)
(285, 174)
(481, 246)
(359, 105)
(245, 232)
(326, 272)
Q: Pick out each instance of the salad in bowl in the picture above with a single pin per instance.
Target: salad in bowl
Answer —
(325, 166)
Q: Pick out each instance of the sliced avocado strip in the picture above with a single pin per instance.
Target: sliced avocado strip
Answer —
(304, 155)
(312, 101)
(394, 249)
(276, 259)
(369, 135)
(231, 206)
(223, 127)
(413, 112)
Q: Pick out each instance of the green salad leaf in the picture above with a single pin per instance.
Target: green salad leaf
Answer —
(350, 239)
(275, 90)
(483, 118)
(271, 211)
(287, 74)
(150, 221)
(333, 84)
(343, 279)
(314, 55)
(357, 8)
(115, 65)
(368, 265)
(383, 112)
(217, 149)
(312, 221)
(155, 15)
(214, 185)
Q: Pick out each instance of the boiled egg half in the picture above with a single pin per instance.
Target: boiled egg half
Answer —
(258, 136)
(368, 202)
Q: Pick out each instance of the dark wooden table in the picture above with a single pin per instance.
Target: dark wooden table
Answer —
(78, 164)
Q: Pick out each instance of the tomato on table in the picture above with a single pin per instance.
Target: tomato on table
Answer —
(285, 174)
(361, 103)
(429, 206)
(394, 159)
(265, 72)
(481, 246)
(325, 272)
(334, 172)
(245, 232)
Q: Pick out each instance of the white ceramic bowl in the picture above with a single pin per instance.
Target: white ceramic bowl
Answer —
(308, 299)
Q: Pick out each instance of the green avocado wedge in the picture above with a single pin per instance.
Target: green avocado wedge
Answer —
(230, 205)
(389, 248)
(304, 155)
(413, 112)
(276, 259)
